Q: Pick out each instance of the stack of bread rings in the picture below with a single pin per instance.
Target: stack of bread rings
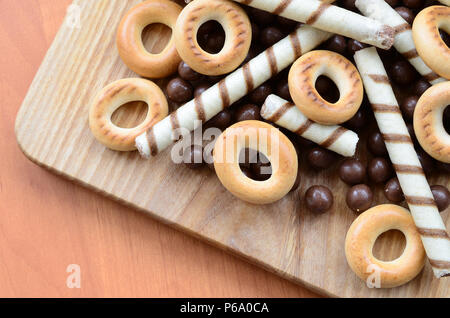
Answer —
(301, 112)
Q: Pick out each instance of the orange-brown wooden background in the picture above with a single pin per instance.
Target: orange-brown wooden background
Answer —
(47, 223)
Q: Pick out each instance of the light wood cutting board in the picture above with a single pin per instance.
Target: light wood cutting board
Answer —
(52, 130)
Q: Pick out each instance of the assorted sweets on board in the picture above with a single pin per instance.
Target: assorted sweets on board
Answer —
(276, 83)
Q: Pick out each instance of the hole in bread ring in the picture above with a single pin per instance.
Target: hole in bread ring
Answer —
(428, 121)
(236, 25)
(362, 236)
(302, 79)
(269, 141)
(130, 44)
(114, 96)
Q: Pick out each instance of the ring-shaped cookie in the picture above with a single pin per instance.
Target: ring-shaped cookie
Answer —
(238, 36)
(111, 98)
(428, 122)
(429, 44)
(361, 238)
(269, 141)
(302, 80)
(129, 39)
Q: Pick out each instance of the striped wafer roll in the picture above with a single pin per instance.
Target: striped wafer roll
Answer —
(406, 163)
(403, 41)
(229, 90)
(287, 115)
(331, 18)
(446, 2)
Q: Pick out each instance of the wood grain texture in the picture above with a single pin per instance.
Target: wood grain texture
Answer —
(52, 130)
(47, 222)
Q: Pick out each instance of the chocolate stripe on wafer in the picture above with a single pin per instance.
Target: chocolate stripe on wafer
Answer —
(330, 18)
(403, 41)
(230, 89)
(287, 115)
(382, 108)
(404, 158)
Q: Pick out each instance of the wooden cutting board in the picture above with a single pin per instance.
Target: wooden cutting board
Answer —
(52, 130)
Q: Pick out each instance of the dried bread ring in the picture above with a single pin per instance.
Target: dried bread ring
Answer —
(238, 36)
(428, 124)
(269, 141)
(361, 238)
(129, 39)
(429, 44)
(111, 98)
(302, 80)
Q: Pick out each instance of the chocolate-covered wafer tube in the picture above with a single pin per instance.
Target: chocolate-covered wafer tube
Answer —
(230, 89)
(329, 18)
(403, 41)
(287, 115)
(406, 163)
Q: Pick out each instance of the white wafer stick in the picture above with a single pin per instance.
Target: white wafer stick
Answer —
(229, 90)
(287, 115)
(406, 163)
(329, 18)
(446, 2)
(403, 41)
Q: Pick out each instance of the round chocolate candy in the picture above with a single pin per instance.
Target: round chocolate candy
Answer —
(187, 73)
(260, 17)
(352, 171)
(376, 145)
(262, 169)
(327, 89)
(414, 4)
(359, 198)
(358, 121)
(201, 88)
(441, 196)
(318, 199)
(215, 42)
(259, 95)
(320, 158)
(247, 112)
(402, 72)
(407, 107)
(392, 3)
(337, 44)
(379, 170)
(270, 35)
(421, 86)
(286, 24)
(193, 157)
(179, 90)
(283, 89)
(353, 46)
(406, 14)
(393, 191)
(349, 4)
(222, 120)
(425, 160)
(247, 172)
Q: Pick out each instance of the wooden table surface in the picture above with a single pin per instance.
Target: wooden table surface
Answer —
(48, 223)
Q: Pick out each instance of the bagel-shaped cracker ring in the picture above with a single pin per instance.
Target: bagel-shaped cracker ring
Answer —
(302, 80)
(129, 39)
(111, 98)
(428, 124)
(361, 238)
(269, 141)
(238, 36)
(429, 44)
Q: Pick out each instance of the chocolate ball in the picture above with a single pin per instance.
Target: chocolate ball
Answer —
(376, 145)
(320, 158)
(392, 3)
(247, 172)
(412, 133)
(354, 46)
(406, 14)
(407, 107)
(359, 198)
(286, 24)
(402, 72)
(222, 120)
(260, 17)
(193, 157)
(201, 88)
(179, 90)
(255, 31)
(441, 196)
(421, 86)
(303, 142)
(247, 112)
(414, 4)
(262, 169)
(215, 43)
(337, 44)
(393, 191)
(259, 95)
(283, 90)
(352, 171)
(319, 199)
(349, 4)
(187, 73)
(379, 170)
(270, 35)
(358, 121)
(426, 161)
(327, 89)
(443, 167)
